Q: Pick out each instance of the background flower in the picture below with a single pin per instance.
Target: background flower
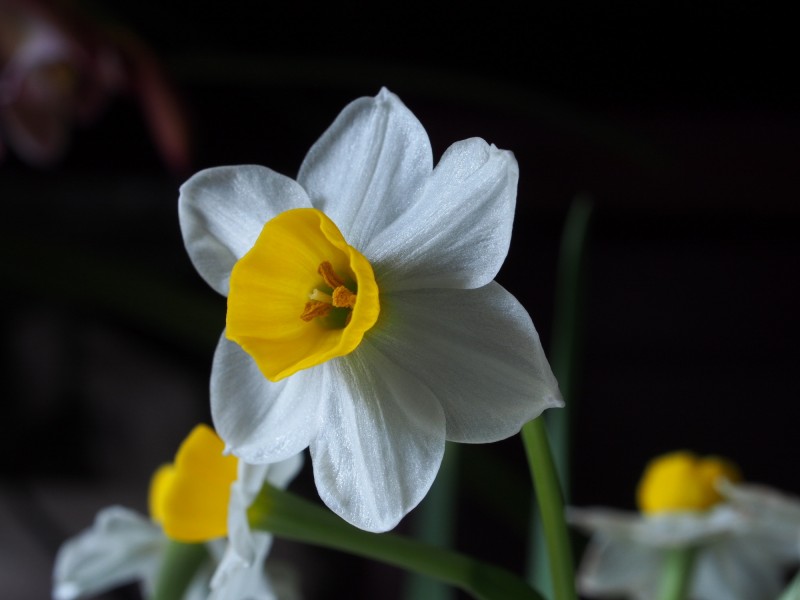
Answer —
(185, 498)
(60, 69)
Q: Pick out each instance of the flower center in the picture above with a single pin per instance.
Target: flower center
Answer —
(681, 481)
(301, 296)
(189, 497)
(321, 304)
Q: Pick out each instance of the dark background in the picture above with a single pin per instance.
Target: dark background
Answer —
(683, 128)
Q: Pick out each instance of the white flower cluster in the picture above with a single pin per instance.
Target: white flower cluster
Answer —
(443, 353)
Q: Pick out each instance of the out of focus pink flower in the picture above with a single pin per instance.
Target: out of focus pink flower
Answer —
(59, 69)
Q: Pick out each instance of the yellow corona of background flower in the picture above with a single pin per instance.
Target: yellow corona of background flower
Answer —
(682, 481)
(189, 498)
(363, 320)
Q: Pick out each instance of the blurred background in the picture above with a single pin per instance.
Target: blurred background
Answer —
(682, 129)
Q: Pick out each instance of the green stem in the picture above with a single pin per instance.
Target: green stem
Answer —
(565, 359)
(434, 523)
(179, 566)
(551, 508)
(550, 469)
(566, 351)
(295, 518)
(677, 574)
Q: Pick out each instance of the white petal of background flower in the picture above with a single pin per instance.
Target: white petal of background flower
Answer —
(223, 210)
(367, 166)
(382, 441)
(479, 353)
(612, 567)
(775, 513)
(737, 568)
(240, 573)
(259, 420)
(456, 231)
(119, 548)
(668, 530)
(246, 581)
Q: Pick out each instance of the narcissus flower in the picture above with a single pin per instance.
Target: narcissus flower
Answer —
(200, 498)
(363, 320)
(682, 507)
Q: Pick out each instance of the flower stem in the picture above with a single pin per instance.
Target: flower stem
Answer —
(295, 518)
(551, 508)
(677, 574)
(550, 468)
(566, 352)
(434, 523)
(180, 564)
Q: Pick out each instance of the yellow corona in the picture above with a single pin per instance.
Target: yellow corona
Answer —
(682, 481)
(301, 295)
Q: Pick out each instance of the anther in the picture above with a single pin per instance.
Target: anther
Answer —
(314, 309)
(343, 298)
(329, 276)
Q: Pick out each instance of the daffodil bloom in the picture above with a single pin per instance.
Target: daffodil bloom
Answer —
(682, 508)
(363, 320)
(202, 497)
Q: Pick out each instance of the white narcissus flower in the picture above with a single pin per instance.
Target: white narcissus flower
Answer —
(188, 504)
(363, 320)
(736, 557)
(627, 552)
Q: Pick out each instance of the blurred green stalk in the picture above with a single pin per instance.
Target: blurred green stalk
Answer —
(550, 564)
(676, 576)
(292, 517)
(435, 523)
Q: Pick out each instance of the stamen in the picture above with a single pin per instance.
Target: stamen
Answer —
(343, 298)
(329, 276)
(314, 309)
(321, 304)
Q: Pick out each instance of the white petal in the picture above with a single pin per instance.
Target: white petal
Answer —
(367, 166)
(770, 513)
(667, 530)
(244, 490)
(611, 567)
(222, 211)
(119, 548)
(261, 421)
(280, 474)
(457, 231)
(477, 350)
(245, 581)
(737, 568)
(382, 440)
